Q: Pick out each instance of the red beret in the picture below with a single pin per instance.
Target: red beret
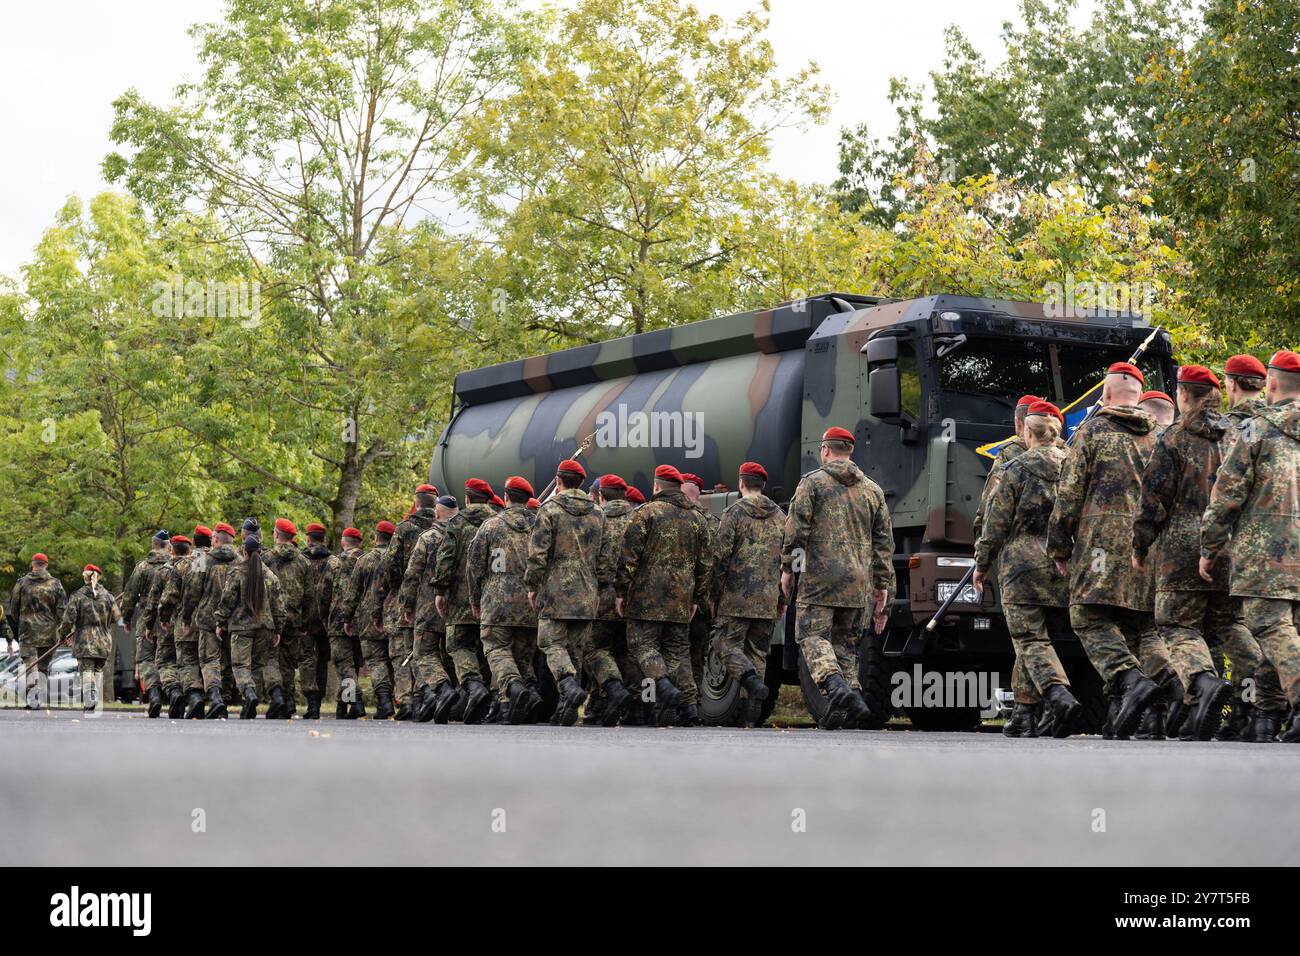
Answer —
(91, 567)
(573, 467)
(1040, 407)
(534, 503)
(1154, 396)
(1126, 368)
(353, 533)
(315, 528)
(1197, 375)
(426, 489)
(285, 526)
(515, 483)
(634, 494)
(835, 433)
(668, 473)
(612, 481)
(693, 478)
(1246, 365)
(38, 556)
(1285, 361)
(1027, 400)
(180, 539)
(479, 486)
(496, 500)
(386, 527)
(754, 469)
(202, 530)
(223, 528)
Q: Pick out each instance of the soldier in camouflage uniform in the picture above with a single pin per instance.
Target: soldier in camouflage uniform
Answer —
(132, 603)
(702, 622)
(358, 618)
(1090, 536)
(1175, 491)
(494, 570)
(608, 631)
(451, 599)
(293, 571)
(389, 584)
(1013, 448)
(314, 651)
(162, 637)
(745, 586)
(167, 618)
(839, 538)
(563, 585)
(1160, 407)
(663, 577)
(1254, 514)
(36, 606)
(201, 593)
(253, 609)
(1013, 538)
(345, 650)
(434, 687)
(86, 626)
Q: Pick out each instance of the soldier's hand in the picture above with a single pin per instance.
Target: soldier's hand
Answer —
(275, 641)
(408, 619)
(618, 606)
(220, 632)
(1062, 567)
(695, 609)
(787, 582)
(185, 628)
(474, 610)
(978, 579)
(1136, 562)
(347, 629)
(440, 602)
(68, 640)
(532, 600)
(882, 599)
(1205, 569)
(878, 621)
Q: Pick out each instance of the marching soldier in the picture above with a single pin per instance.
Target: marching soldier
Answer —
(663, 578)
(293, 572)
(1175, 491)
(1254, 514)
(1013, 448)
(745, 589)
(132, 604)
(314, 651)
(186, 672)
(608, 631)
(1013, 537)
(434, 694)
(164, 640)
(702, 622)
(1090, 537)
(345, 650)
(358, 618)
(252, 610)
(201, 594)
(839, 537)
(36, 607)
(562, 581)
(389, 584)
(451, 599)
(86, 627)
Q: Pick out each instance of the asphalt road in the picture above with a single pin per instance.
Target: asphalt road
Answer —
(122, 789)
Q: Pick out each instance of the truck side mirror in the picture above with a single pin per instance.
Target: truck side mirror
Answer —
(886, 393)
(884, 348)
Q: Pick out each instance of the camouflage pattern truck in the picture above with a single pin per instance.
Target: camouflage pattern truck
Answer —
(923, 384)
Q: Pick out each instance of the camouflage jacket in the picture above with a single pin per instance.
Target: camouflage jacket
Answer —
(840, 526)
(171, 600)
(1015, 529)
(35, 608)
(138, 586)
(334, 586)
(1011, 450)
(318, 558)
(1092, 522)
(494, 569)
(231, 614)
(292, 569)
(204, 585)
(1256, 504)
(449, 578)
(398, 554)
(1175, 492)
(618, 515)
(746, 579)
(148, 608)
(358, 604)
(1238, 416)
(664, 564)
(89, 619)
(416, 595)
(564, 557)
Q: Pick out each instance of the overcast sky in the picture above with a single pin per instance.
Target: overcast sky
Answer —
(63, 61)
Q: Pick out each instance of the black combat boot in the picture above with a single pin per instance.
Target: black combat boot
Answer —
(1266, 725)
(688, 715)
(1152, 724)
(1043, 720)
(591, 714)
(340, 710)
(478, 700)
(1292, 733)
(357, 709)
(666, 697)
(88, 698)
(844, 698)
(155, 701)
(280, 708)
(1136, 691)
(313, 706)
(383, 704)
(444, 701)
(1035, 718)
(1022, 719)
(216, 705)
(403, 711)
(249, 710)
(1212, 693)
(493, 715)
(195, 705)
(1064, 709)
(422, 704)
(755, 694)
(616, 699)
(175, 704)
(1239, 718)
(523, 699)
(572, 697)
(1247, 732)
(1176, 718)
(290, 702)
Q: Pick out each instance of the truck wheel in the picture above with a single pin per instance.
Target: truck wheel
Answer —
(944, 718)
(873, 675)
(719, 695)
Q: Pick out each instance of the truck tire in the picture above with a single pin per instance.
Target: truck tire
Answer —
(719, 695)
(873, 675)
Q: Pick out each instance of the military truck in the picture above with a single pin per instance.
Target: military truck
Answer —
(923, 384)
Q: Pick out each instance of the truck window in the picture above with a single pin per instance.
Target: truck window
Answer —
(984, 377)
(1083, 367)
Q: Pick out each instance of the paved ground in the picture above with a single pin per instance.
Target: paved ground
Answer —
(123, 789)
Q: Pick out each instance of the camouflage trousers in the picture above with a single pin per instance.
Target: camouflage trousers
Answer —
(145, 668)
(1273, 622)
(611, 636)
(509, 652)
(829, 638)
(91, 670)
(286, 656)
(594, 655)
(1190, 622)
(463, 648)
(1036, 658)
(663, 649)
(251, 652)
(1117, 639)
(401, 644)
(1242, 651)
(742, 643)
(215, 664)
(345, 652)
(36, 660)
(375, 654)
(164, 659)
(313, 661)
(189, 673)
(430, 665)
(701, 631)
(561, 641)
